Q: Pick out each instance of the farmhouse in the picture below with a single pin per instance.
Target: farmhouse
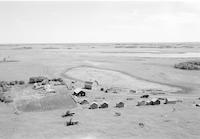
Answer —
(79, 92)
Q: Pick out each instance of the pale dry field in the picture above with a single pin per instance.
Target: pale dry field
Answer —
(133, 68)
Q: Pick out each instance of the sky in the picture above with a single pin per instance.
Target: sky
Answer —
(99, 21)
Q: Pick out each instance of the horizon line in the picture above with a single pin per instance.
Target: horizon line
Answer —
(44, 43)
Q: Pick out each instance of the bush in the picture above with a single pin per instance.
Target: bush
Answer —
(38, 79)
(21, 82)
(190, 65)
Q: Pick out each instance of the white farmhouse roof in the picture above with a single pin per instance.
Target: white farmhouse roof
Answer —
(77, 90)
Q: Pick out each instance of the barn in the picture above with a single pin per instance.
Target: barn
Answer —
(88, 85)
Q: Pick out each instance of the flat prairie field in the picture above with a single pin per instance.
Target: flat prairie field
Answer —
(119, 73)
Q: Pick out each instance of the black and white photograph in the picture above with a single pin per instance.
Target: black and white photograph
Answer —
(80, 69)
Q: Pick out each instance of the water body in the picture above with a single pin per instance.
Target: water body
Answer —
(146, 54)
(113, 78)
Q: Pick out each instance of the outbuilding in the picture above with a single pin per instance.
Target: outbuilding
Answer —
(94, 105)
(171, 101)
(104, 105)
(88, 85)
(120, 105)
(83, 102)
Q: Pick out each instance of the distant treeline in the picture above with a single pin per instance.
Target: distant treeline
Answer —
(116, 45)
(19, 48)
(158, 45)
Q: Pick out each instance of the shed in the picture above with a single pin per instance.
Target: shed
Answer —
(170, 101)
(94, 105)
(144, 96)
(104, 105)
(132, 91)
(153, 101)
(88, 85)
(120, 105)
(84, 102)
(141, 103)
